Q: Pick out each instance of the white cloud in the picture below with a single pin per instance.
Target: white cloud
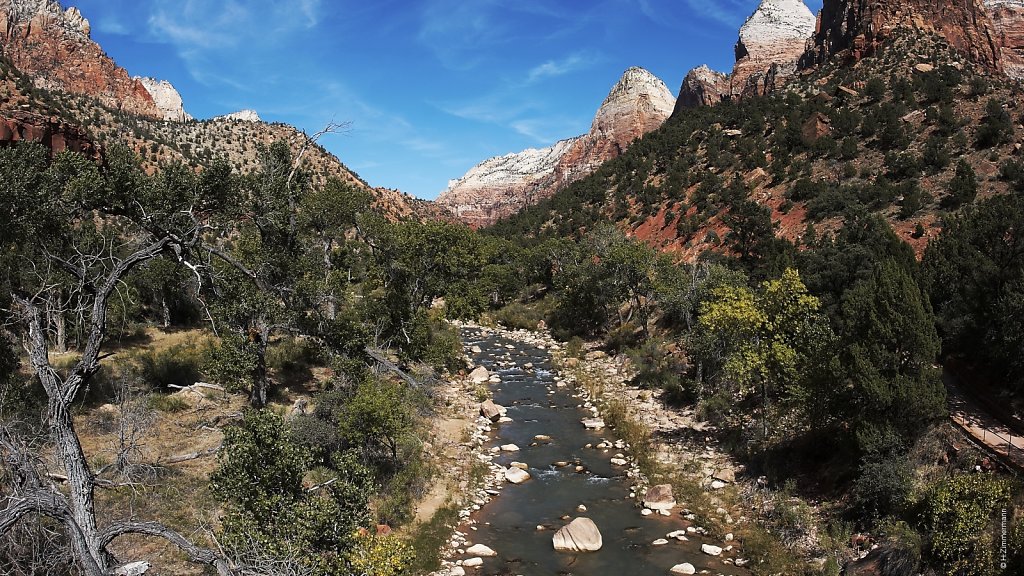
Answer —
(731, 13)
(546, 131)
(112, 25)
(554, 68)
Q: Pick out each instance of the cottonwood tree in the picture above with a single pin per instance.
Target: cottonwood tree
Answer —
(72, 224)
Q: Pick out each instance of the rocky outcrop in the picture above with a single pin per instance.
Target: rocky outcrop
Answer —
(639, 103)
(502, 186)
(703, 86)
(166, 98)
(52, 45)
(241, 116)
(769, 47)
(857, 28)
(1008, 21)
(55, 134)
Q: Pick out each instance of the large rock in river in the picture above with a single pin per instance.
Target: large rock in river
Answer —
(516, 475)
(492, 411)
(479, 375)
(580, 535)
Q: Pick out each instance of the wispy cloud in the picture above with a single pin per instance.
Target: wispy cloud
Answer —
(201, 31)
(546, 131)
(554, 68)
(459, 32)
(112, 25)
(730, 13)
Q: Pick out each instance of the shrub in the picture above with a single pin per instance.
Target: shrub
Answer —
(518, 315)
(958, 514)
(996, 128)
(574, 347)
(291, 354)
(168, 403)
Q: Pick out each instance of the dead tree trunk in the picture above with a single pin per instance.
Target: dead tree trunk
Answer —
(77, 509)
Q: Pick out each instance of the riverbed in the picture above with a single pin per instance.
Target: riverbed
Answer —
(572, 475)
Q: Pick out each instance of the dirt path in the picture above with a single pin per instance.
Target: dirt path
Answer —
(982, 426)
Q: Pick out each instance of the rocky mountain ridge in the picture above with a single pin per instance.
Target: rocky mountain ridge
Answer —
(498, 187)
(71, 95)
(770, 44)
(53, 46)
(857, 28)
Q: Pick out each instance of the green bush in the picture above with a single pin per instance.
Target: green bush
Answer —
(290, 354)
(574, 347)
(960, 514)
(518, 315)
(167, 403)
(180, 364)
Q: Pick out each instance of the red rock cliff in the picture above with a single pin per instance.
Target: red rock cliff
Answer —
(52, 45)
(856, 28)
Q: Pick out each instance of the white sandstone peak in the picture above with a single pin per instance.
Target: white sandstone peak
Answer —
(167, 99)
(511, 168)
(246, 115)
(637, 83)
(778, 20)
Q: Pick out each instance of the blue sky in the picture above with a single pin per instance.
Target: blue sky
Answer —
(430, 87)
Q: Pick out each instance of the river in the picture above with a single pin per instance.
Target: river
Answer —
(520, 521)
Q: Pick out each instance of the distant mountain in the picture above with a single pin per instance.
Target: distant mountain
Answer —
(907, 109)
(638, 103)
(58, 87)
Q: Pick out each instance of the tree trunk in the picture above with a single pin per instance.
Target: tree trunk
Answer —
(80, 480)
(332, 304)
(260, 381)
(55, 320)
(165, 311)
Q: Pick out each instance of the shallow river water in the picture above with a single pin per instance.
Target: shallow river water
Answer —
(509, 522)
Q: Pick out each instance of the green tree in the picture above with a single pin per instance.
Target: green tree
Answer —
(996, 127)
(888, 326)
(73, 236)
(963, 187)
(260, 478)
(377, 417)
(771, 341)
(974, 273)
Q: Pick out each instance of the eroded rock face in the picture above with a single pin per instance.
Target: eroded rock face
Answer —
(856, 28)
(55, 134)
(703, 86)
(769, 47)
(166, 98)
(636, 105)
(1008, 20)
(53, 46)
(502, 186)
